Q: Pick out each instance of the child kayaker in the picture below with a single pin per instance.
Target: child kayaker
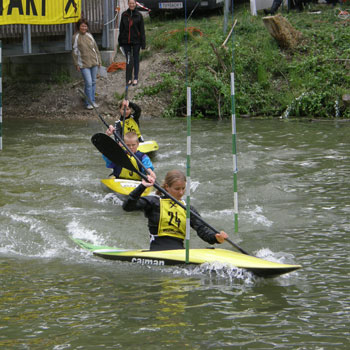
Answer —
(132, 119)
(132, 142)
(166, 219)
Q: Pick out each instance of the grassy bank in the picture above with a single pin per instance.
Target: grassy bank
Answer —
(309, 81)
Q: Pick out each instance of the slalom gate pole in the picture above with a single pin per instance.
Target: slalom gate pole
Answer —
(188, 153)
(234, 133)
(0, 95)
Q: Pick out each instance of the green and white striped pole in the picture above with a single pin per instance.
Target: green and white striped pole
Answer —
(234, 152)
(188, 153)
(0, 95)
(188, 176)
(234, 131)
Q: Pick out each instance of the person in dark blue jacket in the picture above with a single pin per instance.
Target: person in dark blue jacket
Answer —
(132, 37)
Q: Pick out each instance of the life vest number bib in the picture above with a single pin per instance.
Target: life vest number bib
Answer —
(172, 221)
(128, 174)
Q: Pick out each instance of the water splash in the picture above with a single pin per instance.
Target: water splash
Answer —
(215, 270)
(76, 230)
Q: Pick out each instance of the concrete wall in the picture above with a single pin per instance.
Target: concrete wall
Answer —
(39, 67)
(44, 67)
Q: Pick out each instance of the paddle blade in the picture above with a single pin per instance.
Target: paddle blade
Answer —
(110, 149)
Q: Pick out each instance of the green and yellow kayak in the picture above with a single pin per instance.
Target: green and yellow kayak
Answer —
(124, 186)
(259, 267)
(148, 146)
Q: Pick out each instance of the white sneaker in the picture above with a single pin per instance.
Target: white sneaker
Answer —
(95, 105)
(89, 107)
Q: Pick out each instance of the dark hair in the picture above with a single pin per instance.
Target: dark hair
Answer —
(81, 21)
(171, 177)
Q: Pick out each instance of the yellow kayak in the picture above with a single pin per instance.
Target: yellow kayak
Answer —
(124, 186)
(148, 146)
(259, 267)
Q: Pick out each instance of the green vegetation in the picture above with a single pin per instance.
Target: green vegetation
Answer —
(309, 80)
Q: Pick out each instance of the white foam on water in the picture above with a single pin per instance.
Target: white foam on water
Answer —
(77, 230)
(216, 270)
(282, 258)
(53, 136)
(76, 181)
(194, 185)
(26, 235)
(101, 198)
(257, 217)
(218, 213)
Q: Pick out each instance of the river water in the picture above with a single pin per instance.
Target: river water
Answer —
(294, 207)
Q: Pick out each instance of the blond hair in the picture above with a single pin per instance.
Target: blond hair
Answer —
(131, 135)
(171, 177)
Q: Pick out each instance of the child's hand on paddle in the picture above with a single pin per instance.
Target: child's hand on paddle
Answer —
(151, 173)
(110, 130)
(150, 181)
(125, 104)
(220, 237)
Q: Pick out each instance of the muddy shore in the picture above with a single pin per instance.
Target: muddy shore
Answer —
(63, 101)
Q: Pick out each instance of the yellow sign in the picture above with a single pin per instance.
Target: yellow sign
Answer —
(39, 11)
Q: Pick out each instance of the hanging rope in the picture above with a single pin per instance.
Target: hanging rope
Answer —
(234, 145)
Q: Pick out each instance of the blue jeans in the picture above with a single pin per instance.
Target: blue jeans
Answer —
(89, 75)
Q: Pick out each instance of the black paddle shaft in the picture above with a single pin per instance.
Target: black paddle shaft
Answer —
(124, 112)
(117, 155)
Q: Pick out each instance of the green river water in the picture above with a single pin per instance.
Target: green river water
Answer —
(294, 207)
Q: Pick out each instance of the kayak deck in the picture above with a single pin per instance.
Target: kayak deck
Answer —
(124, 186)
(148, 146)
(259, 267)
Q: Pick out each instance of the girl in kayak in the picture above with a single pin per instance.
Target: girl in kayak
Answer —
(132, 117)
(166, 219)
(132, 142)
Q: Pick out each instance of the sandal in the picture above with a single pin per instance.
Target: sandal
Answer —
(135, 82)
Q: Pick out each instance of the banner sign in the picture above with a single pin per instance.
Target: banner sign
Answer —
(39, 11)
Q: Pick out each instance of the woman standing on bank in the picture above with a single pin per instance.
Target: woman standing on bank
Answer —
(132, 37)
(87, 59)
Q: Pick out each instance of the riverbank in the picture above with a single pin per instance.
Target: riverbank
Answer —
(306, 82)
(63, 100)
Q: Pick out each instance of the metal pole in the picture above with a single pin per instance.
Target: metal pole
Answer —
(68, 39)
(27, 39)
(0, 95)
(188, 176)
(234, 145)
(188, 157)
(226, 11)
(234, 152)
(105, 30)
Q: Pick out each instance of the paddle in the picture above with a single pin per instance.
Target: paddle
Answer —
(117, 155)
(129, 67)
(124, 112)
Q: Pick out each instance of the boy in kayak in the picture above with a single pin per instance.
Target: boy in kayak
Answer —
(166, 219)
(132, 119)
(132, 142)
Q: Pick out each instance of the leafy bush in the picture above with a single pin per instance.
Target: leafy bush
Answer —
(268, 80)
